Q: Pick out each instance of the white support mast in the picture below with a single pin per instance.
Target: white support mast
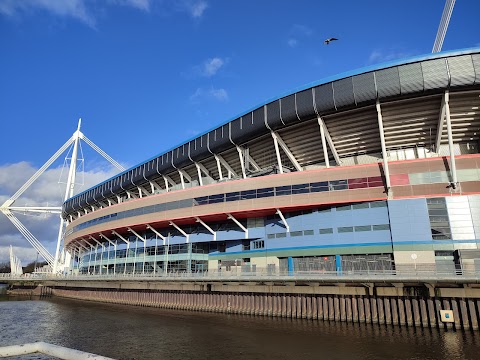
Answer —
(68, 193)
(7, 209)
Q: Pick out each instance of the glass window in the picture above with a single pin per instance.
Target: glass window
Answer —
(338, 185)
(270, 236)
(283, 190)
(258, 244)
(442, 212)
(377, 204)
(360, 206)
(381, 227)
(307, 232)
(319, 186)
(300, 188)
(344, 208)
(233, 196)
(357, 183)
(345, 229)
(213, 199)
(265, 192)
(248, 194)
(296, 233)
(375, 181)
(326, 231)
(363, 228)
(280, 235)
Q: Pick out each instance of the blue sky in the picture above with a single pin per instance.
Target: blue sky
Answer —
(146, 75)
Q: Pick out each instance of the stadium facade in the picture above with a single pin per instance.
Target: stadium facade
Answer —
(377, 169)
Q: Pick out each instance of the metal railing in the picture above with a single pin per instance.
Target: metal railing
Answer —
(264, 274)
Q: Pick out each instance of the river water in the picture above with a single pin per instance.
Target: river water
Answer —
(125, 332)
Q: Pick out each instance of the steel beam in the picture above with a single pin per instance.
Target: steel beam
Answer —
(240, 225)
(324, 142)
(214, 233)
(181, 230)
(453, 167)
(287, 151)
(279, 212)
(384, 149)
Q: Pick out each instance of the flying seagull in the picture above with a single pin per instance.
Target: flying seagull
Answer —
(329, 40)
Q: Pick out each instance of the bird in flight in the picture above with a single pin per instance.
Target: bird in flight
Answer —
(329, 40)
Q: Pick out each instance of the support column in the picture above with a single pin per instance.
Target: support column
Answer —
(324, 143)
(453, 167)
(242, 161)
(384, 150)
(277, 152)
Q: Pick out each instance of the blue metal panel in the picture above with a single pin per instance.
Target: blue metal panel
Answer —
(409, 220)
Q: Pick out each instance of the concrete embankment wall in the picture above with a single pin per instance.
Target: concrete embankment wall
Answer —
(352, 304)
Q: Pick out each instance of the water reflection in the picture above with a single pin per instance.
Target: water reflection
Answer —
(125, 332)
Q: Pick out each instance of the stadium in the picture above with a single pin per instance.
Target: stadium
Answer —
(373, 170)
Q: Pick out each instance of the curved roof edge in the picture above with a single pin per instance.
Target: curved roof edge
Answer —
(322, 81)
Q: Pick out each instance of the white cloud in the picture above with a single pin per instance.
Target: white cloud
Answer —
(297, 32)
(209, 94)
(196, 8)
(80, 10)
(378, 56)
(211, 66)
(292, 42)
(139, 4)
(73, 8)
(44, 191)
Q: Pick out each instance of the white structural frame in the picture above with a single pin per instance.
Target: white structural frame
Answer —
(61, 259)
(442, 28)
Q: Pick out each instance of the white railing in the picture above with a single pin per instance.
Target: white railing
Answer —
(455, 275)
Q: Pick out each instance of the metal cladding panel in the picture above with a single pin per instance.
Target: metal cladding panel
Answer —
(116, 185)
(343, 93)
(273, 115)
(124, 181)
(364, 88)
(287, 110)
(199, 148)
(164, 164)
(219, 139)
(476, 66)
(435, 74)
(180, 156)
(305, 105)
(150, 169)
(324, 98)
(137, 177)
(388, 82)
(461, 70)
(236, 130)
(411, 78)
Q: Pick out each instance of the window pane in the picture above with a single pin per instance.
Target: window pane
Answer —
(296, 233)
(283, 190)
(307, 232)
(360, 206)
(363, 228)
(343, 208)
(300, 188)
(319, 186)
(249, 194)
(377, 204)
(326, 231)
(281, 235)
(381, 227)
(266, 192)
(233, 196)
(345, 229)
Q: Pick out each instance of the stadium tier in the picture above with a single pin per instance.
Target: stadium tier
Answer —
(373, 170)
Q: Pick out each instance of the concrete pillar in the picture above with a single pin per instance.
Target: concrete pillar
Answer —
(416, 312)
(380, 311)
(368, 310)
(331, 308)
(336, 306)
(408, 312)
(348, 305)
(473, 314)
(422, 303)
(456, 314)
(388, 311)
(394, 310)
(361, 309)
(464, 314)
(343, 311)
(401, 312)
(320, 307)
(355, 309)
(373, 306)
